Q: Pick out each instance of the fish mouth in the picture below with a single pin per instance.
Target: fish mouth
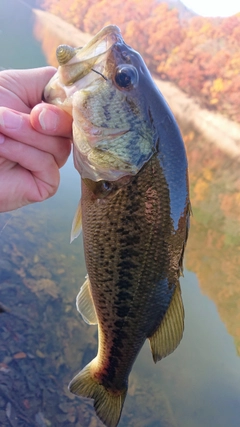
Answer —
(80, 67)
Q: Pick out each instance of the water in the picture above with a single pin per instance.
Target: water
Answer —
(44, 342)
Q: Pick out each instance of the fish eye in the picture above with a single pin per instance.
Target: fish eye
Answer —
(126, 77)
(106, 186)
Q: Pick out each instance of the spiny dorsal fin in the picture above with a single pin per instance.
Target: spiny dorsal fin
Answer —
(108, 405)
(169, 333)
(77, 223)
(85, 304)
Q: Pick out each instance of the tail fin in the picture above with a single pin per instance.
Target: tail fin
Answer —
(108, 406)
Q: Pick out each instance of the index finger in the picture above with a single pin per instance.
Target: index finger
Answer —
(23, 89)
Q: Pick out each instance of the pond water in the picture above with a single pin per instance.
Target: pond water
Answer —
(44, 342)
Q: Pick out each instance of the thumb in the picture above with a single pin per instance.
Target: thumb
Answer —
(51, 120)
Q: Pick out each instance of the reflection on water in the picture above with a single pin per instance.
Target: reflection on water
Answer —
(213, 251)
(43, 342)
(17, 46)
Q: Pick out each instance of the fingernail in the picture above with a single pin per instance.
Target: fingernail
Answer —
(10, 120)
(2, 138)
(48, 120)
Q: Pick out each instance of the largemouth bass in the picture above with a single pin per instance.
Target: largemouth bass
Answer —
(134, 210)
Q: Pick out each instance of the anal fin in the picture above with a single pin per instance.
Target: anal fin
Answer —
(169, 333)
(85, 304)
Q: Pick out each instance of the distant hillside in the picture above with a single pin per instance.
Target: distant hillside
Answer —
(51, 31)
(200, 55)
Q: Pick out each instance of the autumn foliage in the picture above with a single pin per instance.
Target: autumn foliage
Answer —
(200, 55)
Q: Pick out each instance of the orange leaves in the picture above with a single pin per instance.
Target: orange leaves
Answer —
(202, 185)
(164, 31)
(230, 204)
(103, 12)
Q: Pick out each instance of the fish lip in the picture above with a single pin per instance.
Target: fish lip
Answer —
(93, 55)
(77, 73)
(100, 43)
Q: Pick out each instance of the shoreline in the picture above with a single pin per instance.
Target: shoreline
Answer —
(214, 127)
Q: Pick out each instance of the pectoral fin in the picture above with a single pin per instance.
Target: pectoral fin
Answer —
(85, 305)
(77, 223)
(169, 334)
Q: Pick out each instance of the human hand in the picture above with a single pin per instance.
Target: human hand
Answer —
(34, 138)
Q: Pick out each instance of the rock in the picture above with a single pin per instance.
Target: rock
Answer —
(40, 421)
(39, 271)
(2, 403)
(61, 418)
(3, 418)
(40, 354)
(5, 265)
(11, 415)
(20, 355)
(47, 286)
(93, 422)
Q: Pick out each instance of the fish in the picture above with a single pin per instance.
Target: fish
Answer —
(134, 210)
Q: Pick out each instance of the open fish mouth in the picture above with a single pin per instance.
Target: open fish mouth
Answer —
(80, 67)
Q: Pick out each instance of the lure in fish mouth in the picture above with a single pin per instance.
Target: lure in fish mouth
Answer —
(134, 210)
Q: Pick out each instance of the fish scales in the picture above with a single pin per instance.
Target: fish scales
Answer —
(121, 254)
(134, 211)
